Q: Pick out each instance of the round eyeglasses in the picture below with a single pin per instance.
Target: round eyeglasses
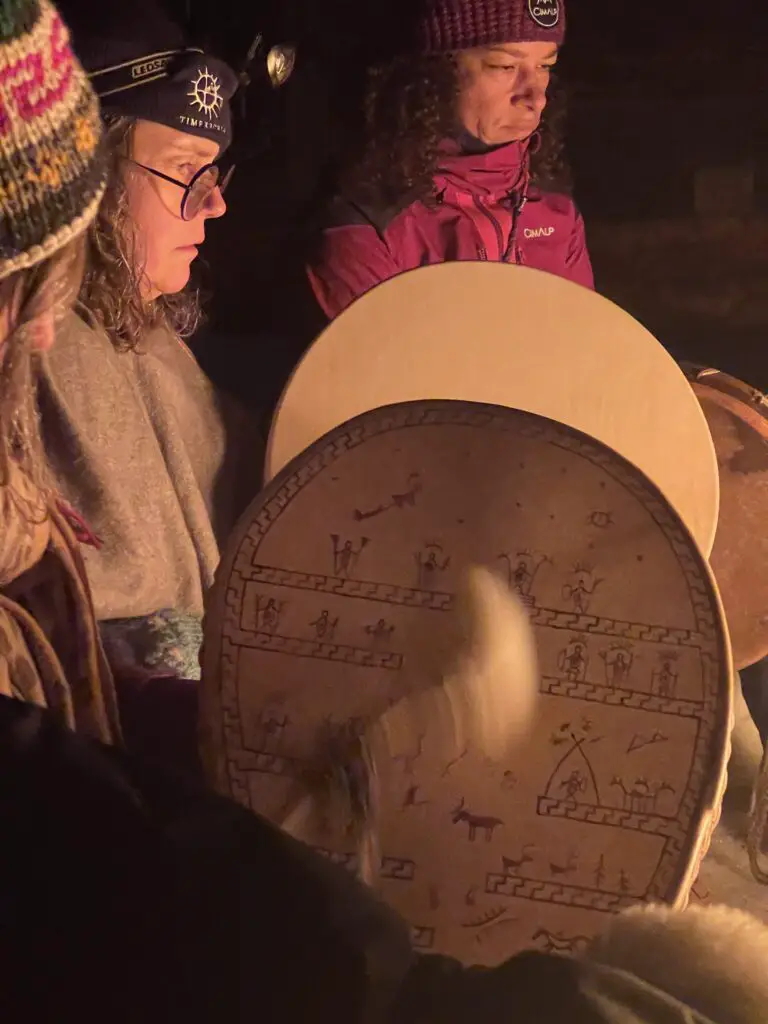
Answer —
(197, 191)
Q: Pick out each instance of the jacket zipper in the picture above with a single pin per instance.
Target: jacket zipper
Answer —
(512, 248)
(496, 226)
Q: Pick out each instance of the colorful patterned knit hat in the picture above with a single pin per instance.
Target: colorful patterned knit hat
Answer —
(449, 25)
(52, 175)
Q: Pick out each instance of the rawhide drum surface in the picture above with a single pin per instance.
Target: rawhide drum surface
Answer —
(446, 332)
(338, 588)
(737, 415)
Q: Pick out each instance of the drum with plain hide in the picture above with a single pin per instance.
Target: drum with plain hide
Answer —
(336, 595)
(513, 336)
(737, 415)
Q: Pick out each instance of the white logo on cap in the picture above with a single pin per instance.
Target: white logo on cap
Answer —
(206, 93)
(150, 67)
(546, 13)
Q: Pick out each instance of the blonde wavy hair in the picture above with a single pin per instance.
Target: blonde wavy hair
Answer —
(51, 286)
(110, 297)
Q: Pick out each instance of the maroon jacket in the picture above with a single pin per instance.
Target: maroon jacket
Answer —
(485, 208)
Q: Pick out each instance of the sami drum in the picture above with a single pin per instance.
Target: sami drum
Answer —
(737, 415)
(335, 596)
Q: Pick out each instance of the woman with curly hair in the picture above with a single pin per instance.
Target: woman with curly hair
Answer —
(460, 158)
(52, 179)
(137, 438)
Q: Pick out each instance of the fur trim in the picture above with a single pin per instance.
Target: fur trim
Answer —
(713, 958)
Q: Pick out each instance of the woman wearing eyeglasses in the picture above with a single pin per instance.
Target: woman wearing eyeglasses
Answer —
(157, 463)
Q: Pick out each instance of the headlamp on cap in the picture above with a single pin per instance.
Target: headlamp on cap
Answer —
(280, 64)
(277, 61)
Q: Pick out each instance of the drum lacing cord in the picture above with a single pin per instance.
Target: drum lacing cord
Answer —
(341, 784)
(758, 817)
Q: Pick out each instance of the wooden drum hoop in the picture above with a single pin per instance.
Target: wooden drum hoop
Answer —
(738, 419)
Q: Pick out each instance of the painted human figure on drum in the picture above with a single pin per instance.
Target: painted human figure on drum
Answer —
(380, 632)
(581, 589)
(575, 783)
(618, 664)
(431, 563)
(573, 661)
(325, 626)
(665, 677)
(345, 555)
(268, 614)
(522, 578)
(460, 155)
(522, 570)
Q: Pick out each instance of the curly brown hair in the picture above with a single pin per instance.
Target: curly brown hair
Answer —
(110, 297)
(409, 109)
(50, 287)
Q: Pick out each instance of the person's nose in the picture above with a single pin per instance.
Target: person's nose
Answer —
(530, 90)
(215, 204)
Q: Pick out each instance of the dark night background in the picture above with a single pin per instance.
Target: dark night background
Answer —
(667, 138)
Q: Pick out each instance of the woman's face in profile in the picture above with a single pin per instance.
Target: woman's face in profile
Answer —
(167, 244)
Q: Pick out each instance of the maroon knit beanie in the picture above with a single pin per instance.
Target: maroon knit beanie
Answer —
(447, 25)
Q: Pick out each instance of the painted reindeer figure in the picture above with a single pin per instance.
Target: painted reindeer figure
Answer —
(651, 792)
(475, 822)
(632, 798)
(568, 868)
(643, 796)
(511, 866)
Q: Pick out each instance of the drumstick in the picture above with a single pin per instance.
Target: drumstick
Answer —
(487, 701)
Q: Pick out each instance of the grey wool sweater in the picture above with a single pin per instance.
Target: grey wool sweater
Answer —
(156, 462)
